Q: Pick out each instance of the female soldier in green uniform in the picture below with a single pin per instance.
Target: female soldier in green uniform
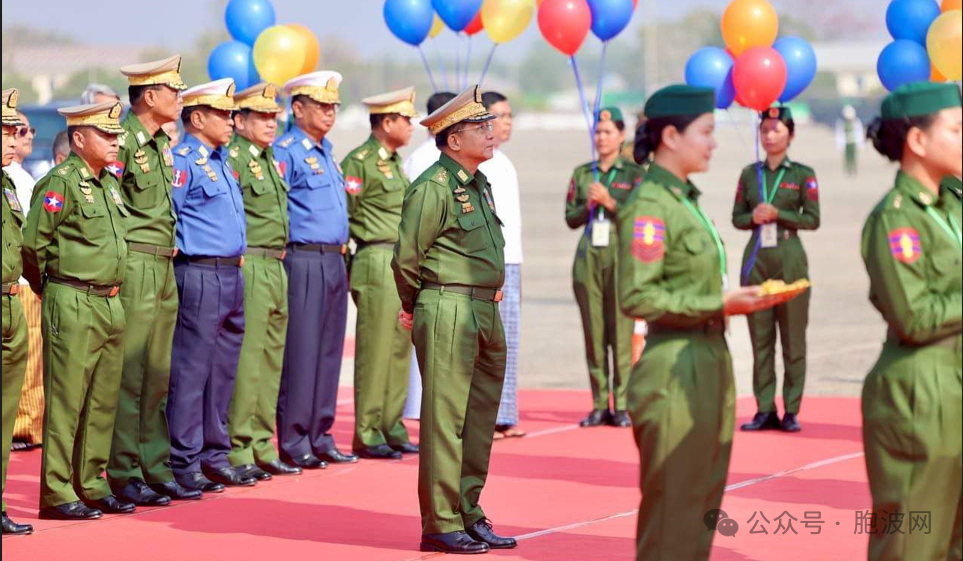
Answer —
(912, 396)
(787, 201)
(672, 269)
(596, 191)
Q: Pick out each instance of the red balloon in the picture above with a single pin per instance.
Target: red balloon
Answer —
(475, 25)
(759, 76)
(565, 23)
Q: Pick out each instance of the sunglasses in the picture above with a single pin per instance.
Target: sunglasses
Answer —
(22, 131)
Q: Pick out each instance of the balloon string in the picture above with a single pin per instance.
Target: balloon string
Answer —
(467, 63)
(751, 262)
(424, 61)
(598, 105)
(488, 63)
(441, 66)
(585, 108)
(457, 62)
(742, 139)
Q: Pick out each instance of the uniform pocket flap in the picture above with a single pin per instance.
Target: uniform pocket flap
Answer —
(212, 189)
(471, 220)
(696, 243)
(147, 181)
(91, 211)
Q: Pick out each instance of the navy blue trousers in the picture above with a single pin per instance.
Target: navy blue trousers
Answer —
(207, 346)
(318, 310)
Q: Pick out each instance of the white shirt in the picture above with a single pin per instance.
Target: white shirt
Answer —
(503, 179)
(24, 182)
(421, 159)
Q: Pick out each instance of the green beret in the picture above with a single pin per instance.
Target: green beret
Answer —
(920, 98)
(781, 112)
(609, 114)
(680, 100)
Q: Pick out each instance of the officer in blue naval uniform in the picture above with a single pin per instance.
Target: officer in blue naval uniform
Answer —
(317, 280)
(211, 241)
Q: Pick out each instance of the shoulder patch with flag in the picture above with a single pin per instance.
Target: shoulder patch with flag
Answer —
(648, 239)
(812, 189)
(904, 244)
(180, 178)
(116, 168)
(352, 185)
(53, 201)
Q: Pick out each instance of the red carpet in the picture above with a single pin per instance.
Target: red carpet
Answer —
(570, 494)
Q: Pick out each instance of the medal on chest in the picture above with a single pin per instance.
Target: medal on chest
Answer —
(385, 169)
(87, 192)
(140, 158)
(211, 174)
(489, 201)
(467, 208)
(256, 170)
(116, 196)
(312, 162)
(12, 200)
(168, 156)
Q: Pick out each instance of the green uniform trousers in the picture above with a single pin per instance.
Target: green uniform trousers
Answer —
(252, 417)
(460, 344)
(142, 444)
(787, 262)
(83, 357)
(14, 368)
(913, 438)
(604, 326)
(382, 351)
(682, 405)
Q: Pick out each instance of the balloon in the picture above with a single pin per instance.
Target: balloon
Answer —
(505, 20)
(409, 20)
(711, 67)
(565, 23)
(278, 54)
(609, 17)
(759, 75)
(246, 19)
(950, 5)
(310, 46)
(475, 25)
(437, 26)
(749, 23)
(457, 14)
(944, 42)
(901, 62)
(936, 76)
(800, 65)
(909, 19)
(232, 59)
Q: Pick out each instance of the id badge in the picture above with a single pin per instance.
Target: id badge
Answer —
(601, 230)
(769, 235)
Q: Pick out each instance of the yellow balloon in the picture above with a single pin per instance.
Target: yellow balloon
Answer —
(749, 23)
(278, 54)
(436, 27)
(505, 20)
(944, 42)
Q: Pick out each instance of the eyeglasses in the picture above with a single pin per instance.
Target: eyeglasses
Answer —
(22, 131)
(484, 127)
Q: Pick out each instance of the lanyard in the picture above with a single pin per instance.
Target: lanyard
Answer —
(775, 188)
(608, 184)
(953, 231)
(707, 224)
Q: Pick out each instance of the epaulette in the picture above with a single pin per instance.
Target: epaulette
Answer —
(234, 152)
(184, 150)
(441, 176)
(286, 142)
(122, 139)
(360, 154)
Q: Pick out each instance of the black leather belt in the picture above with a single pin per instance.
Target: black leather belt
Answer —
(385, 245)
(485, 294)
(151, 249)
(949, 342)
(318, 248)
(11, 288)
(92, 289)
(711, 326)
(213, 261)
(266, 252)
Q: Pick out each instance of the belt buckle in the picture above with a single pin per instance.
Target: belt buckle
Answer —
(499, 295)
(113, 291)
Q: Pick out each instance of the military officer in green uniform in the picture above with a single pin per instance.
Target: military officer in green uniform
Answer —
(775, 210)
(139, 467)
(672, 271)
(449, 268)
(595, 193)
(14, 323)
(76, 257)
(912, 418)
(251, 418)
(376, 185)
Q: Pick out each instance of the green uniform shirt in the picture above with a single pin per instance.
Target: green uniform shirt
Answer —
(954, 184)
(76, 228)
(376, 187)
(914, 262)
(12, 235)
(796, 196)
(265, 193)
(620, 180)
(449, 233)
(145, 166)
(670, 268)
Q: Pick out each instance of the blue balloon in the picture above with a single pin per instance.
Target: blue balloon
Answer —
(609, 17)
(711, 67)
(911, 19)
(800, 65)
(456, 14)
(409, 20)
(232, 59)
(901, 62)
(246, 19)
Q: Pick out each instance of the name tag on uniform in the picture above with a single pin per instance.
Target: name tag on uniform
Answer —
(769, 235)
(601, 230)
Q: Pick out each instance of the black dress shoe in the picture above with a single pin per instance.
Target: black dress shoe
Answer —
(251, 470)
(621, 419)
(790, 423)
(334, 456)
(176, 492)
(596, 418)
(406, 448)
(138, 493)
(111, 505)
(762, 421)
(482, 531)
(277, 467)
(379, 452)
(11, 528)
(195, 481)
(307, 461)
(453, 542)
(70, 511)
(229, 477)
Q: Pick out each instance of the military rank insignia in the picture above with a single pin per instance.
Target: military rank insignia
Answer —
(87, 192)
(256, 170)
(12, 200)
(234, 152)
(467, 208)
(648, 239)
(462, 198)
(140, 158)
(312, 162)
(462, 176)
(385, 169)
(904, 244)
(352, 185)
(211, 174)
